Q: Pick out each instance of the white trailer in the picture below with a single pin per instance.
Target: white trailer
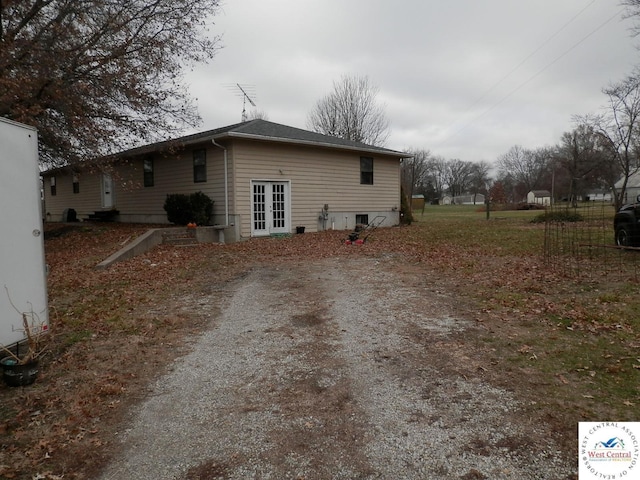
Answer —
(23, 285)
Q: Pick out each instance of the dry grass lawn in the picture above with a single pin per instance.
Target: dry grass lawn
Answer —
(570, 346)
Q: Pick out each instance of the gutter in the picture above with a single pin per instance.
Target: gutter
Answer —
(375, 150)
(226, 183)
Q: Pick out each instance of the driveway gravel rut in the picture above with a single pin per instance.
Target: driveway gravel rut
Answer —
(336, 369)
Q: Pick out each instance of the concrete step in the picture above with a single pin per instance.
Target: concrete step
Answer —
(180, 242)
(180, 238)
(103, 216)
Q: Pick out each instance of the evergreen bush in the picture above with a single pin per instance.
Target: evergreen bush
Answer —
(183, 209)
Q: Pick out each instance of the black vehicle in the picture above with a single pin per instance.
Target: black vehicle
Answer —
(626, 224)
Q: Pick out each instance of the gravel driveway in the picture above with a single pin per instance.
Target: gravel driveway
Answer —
(342, 368)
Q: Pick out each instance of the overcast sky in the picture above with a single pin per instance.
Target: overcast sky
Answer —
(464, 79)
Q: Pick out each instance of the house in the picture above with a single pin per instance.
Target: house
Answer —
(599, 196)
(469, 199)
(264, 178)
(540, 197)
(476, 199)
(633, 188)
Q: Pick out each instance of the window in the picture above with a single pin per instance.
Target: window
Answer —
(199, 166)
(362, 219)
(366, 171)
(52, 182)
(147, 167)
(76, 184)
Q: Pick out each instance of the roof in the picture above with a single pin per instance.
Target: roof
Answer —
(264, 130)
(541, 193)
(632, 182)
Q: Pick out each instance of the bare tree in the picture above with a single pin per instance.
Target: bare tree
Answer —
(580, 156)
(632, 11)
(618, 130)
(96, 76)
(413, 170)
(479, 181)
(436, 176)
(458, 176)
(525, 167)
(351, 112)
(258, 115)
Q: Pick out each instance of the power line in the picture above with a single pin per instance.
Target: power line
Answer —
(540, 47)
(562, 55)
(539, 72)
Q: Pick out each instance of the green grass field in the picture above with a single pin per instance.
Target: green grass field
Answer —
(577, 333)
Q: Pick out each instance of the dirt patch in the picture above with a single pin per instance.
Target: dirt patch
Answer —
(209, 470)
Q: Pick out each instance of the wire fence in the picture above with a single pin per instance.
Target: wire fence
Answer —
(586, 248)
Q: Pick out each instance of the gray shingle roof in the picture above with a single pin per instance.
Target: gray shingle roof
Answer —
(262, 128)
(266, 131)
(632, 182)
(541, 193)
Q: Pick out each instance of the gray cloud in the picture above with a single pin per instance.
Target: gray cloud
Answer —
(446, 70)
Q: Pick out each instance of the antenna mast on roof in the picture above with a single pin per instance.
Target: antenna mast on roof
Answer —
(245, 97)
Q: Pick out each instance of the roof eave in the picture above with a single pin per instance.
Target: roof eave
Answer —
(204, 138)
(310, 143)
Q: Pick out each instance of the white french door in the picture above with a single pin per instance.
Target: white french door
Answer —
(270, 210)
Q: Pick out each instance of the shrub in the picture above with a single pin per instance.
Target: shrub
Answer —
(530, 206)
(557, 216)
(201, 207)
(178, 208)
(183, 209)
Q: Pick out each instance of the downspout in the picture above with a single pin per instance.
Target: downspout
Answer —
(226, 184)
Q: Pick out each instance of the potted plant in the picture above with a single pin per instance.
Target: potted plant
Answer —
(20, 363)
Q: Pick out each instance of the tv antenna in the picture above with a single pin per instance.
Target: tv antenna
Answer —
(245, 98)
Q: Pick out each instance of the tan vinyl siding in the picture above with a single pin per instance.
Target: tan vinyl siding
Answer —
(85, 202)
(314, 175)
(135, 201)
(317, 176)
(171, 175)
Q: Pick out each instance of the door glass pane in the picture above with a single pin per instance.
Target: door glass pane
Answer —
(278, 205)
(259, 204)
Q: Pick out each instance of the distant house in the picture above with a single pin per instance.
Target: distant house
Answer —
(599, 196)
(265, 178)
(540, 197)
(477, 199)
